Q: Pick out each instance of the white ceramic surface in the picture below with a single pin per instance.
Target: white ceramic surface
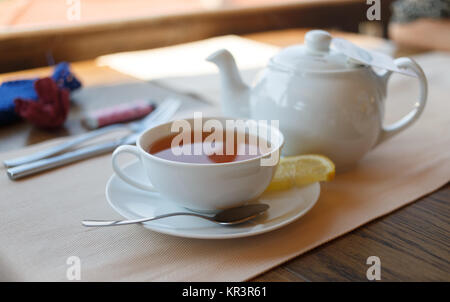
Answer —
(133, 203)
(325, 102)
(201, 187)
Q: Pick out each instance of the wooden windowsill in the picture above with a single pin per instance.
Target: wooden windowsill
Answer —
(34, 47)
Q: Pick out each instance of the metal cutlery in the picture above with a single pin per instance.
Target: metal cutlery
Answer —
(134, 127)
(162, 114)
(231, 216)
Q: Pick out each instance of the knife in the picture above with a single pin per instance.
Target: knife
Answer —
(66, 158)
(83, 153)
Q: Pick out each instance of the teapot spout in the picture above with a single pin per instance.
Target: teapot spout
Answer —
(234, 92)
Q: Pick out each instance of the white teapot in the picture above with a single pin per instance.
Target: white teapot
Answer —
(327, 101)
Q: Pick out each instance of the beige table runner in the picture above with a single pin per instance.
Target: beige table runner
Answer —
(40, 216)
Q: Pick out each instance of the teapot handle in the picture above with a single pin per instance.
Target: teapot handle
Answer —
(406, 121)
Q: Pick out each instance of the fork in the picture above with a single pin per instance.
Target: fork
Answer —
(134, 127)
(162, 114)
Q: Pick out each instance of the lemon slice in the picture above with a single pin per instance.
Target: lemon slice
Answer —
(301, 170)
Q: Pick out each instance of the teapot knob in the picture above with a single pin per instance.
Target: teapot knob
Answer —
(317, 41)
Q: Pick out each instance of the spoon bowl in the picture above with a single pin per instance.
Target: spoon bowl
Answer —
(240, 214)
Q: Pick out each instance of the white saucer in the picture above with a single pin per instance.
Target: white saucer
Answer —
(132, 203)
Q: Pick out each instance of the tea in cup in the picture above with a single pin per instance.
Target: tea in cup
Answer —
(205, 164)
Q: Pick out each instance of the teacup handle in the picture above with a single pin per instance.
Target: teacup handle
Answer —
(413, 115)
(135, 151)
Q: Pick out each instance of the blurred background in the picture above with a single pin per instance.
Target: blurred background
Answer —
(36, 33)
(26, 13)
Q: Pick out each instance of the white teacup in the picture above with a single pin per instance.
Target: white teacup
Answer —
(202, 187)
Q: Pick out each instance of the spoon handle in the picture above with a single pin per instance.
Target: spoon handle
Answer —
(104, 223)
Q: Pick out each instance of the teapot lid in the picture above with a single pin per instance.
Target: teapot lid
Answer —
(317, 56)
(314, 55)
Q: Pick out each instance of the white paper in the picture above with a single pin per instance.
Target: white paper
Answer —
(189, 59)
(368, 57)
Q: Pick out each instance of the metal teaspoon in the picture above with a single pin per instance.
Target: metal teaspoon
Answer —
(225, 217)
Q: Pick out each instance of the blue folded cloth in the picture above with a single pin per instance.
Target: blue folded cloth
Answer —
(24, 89)
(65, 78)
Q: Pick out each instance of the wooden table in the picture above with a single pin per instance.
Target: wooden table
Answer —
(414, 233)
